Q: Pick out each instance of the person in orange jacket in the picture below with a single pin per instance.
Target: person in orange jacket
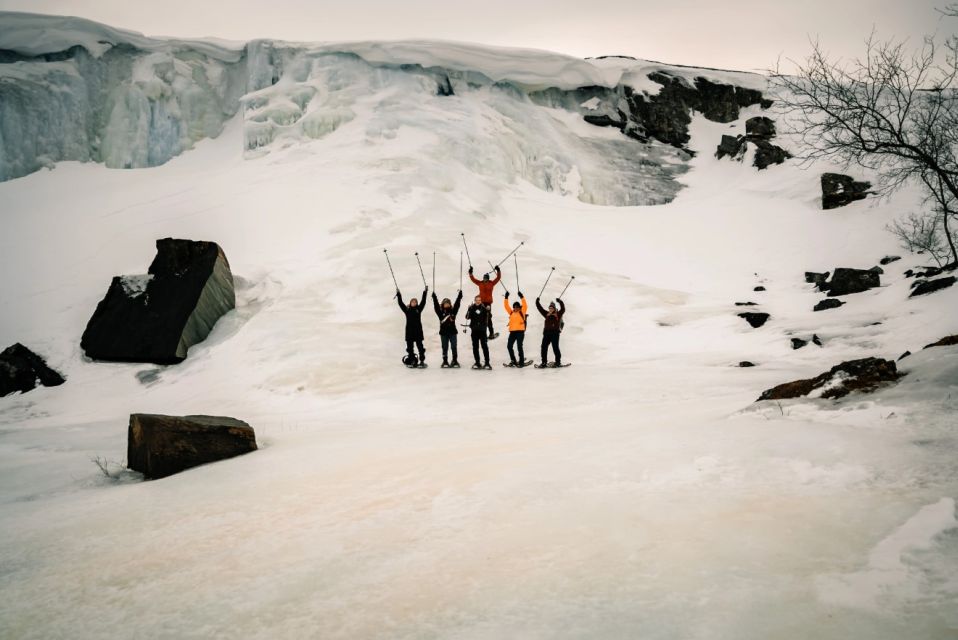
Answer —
(486, 287)
(517, 328)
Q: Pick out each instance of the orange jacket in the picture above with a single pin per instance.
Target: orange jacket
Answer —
(517, 319)
(485, 288)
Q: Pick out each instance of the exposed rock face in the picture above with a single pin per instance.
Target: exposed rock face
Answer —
(159, 446)
(818, 279)
(947, 341)
(759, 131)
(839, 190)
(158, 317)
(924, 287)
(828, 303)
(755, 319)
(444, 87)
(21, 370)
(855, 375)
(666, 115)
(847, 281)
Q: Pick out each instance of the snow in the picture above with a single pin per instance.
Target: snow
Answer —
(638, 493)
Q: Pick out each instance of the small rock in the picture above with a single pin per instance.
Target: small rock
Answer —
(798, 343)
(745, 304)
(817, 279)
(816, 340)
(863, 375)
(828, 303)
(906, 354)
(888, 260)
(847, 281)
(746, 363)
(947, 341)
(21, 370)
(839, 190)
(159, 446)
(877, 269)
(759, 288)
(924, 287)
(756, 319)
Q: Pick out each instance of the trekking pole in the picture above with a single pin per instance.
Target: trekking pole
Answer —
(460, 270)
(467, 248)
(551, 271)
(501, 281)
(515, 261)
(434, 271)
(421, 271)
(391, 269)
(566, 287)
(511, 252)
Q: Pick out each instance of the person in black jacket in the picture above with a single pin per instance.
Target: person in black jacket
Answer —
(551, 330)
(448, 332)
(478, 315)
(413, 328)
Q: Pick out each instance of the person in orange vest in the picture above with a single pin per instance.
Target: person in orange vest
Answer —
(486, 287)
(517, 328)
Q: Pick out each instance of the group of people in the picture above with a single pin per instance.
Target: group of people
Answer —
(479, 317)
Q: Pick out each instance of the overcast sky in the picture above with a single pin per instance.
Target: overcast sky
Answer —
(742, 34)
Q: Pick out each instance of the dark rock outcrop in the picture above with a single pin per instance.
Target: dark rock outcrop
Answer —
(755, 319)
(847, 281)
(22, 370)
(798, 343)
(947, 341)
(839, 190)
(746, 364)
(759, 288)
(158, 317)
(862, 375)
(767, 154)
(905, 355)
(732, 147)
(759, 128)
(888, 260)
(828, 303)
(444, 87)
(745, 304)
(159, 446)
(877, 269)
(818, 279)
(924, 287)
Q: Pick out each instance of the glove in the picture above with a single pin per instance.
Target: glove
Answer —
(470, 270)
(507, 295)
(497, 269)
(558, 299)
(520, 295)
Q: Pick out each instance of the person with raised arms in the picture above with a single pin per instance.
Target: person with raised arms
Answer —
(517, 329)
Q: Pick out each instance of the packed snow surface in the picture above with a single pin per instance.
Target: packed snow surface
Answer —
(638, 493)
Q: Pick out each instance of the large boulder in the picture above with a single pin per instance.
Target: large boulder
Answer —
(839, 190)
(159, 446)
(731, 146)
(818, 279)
(924, 287)
(157, 317)
(22, 370)
(846, 281)
(760, 128)
(862, 375)
(767, 154)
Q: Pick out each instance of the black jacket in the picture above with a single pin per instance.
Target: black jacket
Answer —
(553, 323)
(447, 319)
(478, 316)
(413, 317)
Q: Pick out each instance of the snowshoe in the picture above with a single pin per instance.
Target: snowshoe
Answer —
(517, 365)
(454, 365)
(487, 366)
(410, 361)
(477, 366)
(444, 365)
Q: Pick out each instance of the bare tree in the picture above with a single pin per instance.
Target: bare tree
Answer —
(894, 112)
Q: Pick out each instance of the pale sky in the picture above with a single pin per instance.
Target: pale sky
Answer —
(742, 34)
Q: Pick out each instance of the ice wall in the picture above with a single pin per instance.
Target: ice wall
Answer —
(74, 90)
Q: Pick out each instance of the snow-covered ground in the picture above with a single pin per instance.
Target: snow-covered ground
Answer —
(638, 493)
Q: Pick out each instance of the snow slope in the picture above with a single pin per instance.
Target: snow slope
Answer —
(638, 493)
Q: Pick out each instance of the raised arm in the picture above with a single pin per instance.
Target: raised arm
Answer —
(399, 300)
(435, 305)
(498, 276)
(561, 307)
(422, 300)
(455, 307)
(505, 303)
(525, 305)
(541, 310)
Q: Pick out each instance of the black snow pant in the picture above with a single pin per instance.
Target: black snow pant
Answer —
(516, 338)
(551, 338)
(418, 344)
(492, 331)
(448, 341)
(480, 338)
